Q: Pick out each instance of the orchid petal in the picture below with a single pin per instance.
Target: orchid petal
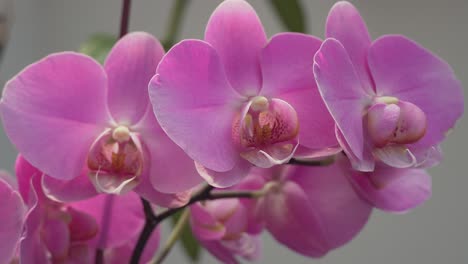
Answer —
(196, 109)
(130, 65)
(343, 95)
(403, 69)
(63, 97)
(237, 47)
(287, 62)
(345, 24)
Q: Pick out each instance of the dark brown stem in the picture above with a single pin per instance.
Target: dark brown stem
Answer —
(317, 163)
(125, 17)
(205, 193)
(99, 258)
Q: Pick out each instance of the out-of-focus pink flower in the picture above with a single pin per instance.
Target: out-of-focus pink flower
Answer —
(392, 100)
(222, 227)
(13, 211)
(311, 210)
(72, 118)
(235, 100)
(58, 232)
(391, 189)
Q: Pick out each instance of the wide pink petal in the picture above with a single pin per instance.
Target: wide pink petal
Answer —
(342, 92)
(195, 104)
(24, 174)
(392, 189)
(120, 217)
(171, 200)
(341, 210)
(225, 179)
(13, 212)
(170, 169)
(237, 34)
(293, 221)
(345, 24)
(287, 64)
(130, 65)
(404, 69)
(54, 109)
(79, 188)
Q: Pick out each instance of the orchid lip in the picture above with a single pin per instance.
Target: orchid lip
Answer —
(266, 131)
(115, 161)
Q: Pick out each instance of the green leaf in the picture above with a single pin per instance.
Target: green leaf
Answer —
(98, 46)
(291, 14)
(190, 245)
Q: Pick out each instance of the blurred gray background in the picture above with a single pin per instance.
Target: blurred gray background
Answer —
(432, 234)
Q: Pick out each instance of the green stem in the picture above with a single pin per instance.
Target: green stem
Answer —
(174, 236)
(175, 21)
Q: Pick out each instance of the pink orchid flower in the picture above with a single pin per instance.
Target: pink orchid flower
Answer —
(69, 116)
(57, 232)
(235, 99)
(311, 210)
(392, 100)
(13, 212)
(222, 227)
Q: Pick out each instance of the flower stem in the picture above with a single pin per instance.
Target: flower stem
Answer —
(124, 20)
(205, 193)
(317, 163)
(174, 236)
(175, 21)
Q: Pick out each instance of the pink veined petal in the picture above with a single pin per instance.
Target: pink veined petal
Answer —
(204, 225)
(171, 200)
(171, 170)
(237, 34)
(345, 24)
(224, 179)
(293, 221)
(13, 212)
(130, 65)
(120, 217)
(287, 64)
(77, 189)
(63, 97)
(195, 104)
(392, 189)
(342, 92)
(341, 210)
(404, 69)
